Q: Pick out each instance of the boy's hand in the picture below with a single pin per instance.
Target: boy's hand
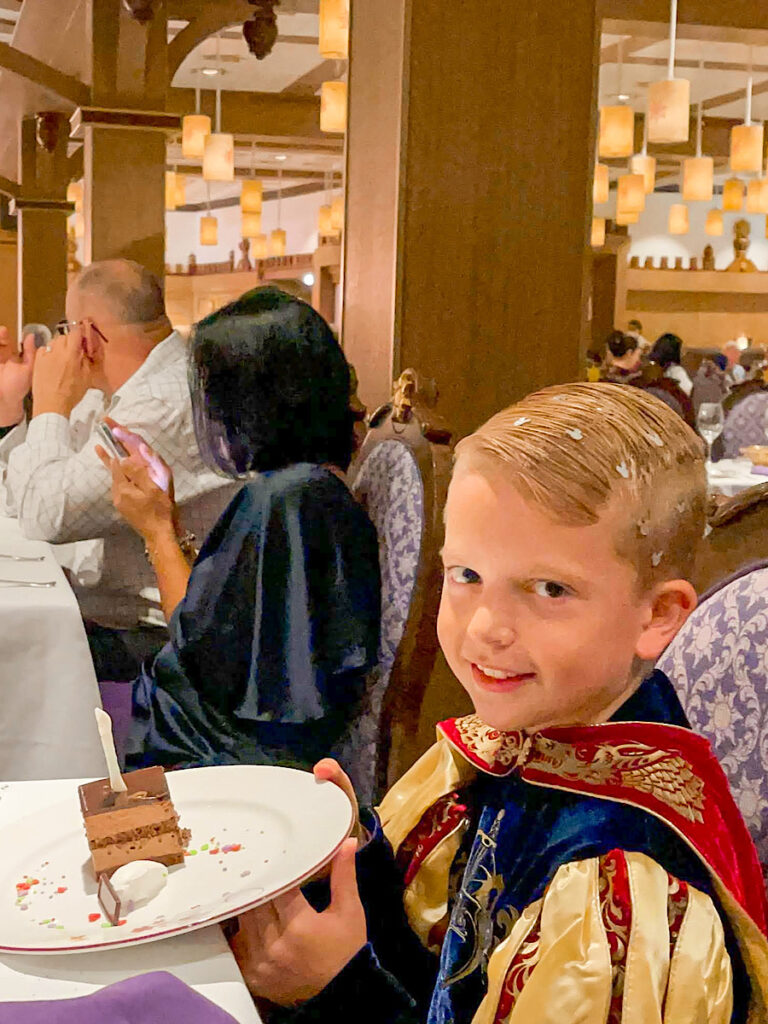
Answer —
(287, 952)
(329, 770)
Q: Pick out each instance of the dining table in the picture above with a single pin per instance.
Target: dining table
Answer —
(202, 959)
(731, 476)
(47, 681)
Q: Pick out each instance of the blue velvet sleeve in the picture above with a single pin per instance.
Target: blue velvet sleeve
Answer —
(390, 981)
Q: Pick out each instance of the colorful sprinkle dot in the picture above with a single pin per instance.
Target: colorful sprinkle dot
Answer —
(61, 888)
(121, 922)
(214, 850)
(93, 917)
(191, 853)
(106, 925)
(204, 846)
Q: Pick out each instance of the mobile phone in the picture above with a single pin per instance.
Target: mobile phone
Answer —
(115, 448)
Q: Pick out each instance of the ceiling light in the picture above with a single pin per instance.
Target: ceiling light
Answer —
(623, 97)
(308, 280)
(210, 71)
(281, 157)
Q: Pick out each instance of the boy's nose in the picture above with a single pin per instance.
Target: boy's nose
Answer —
(494, 630)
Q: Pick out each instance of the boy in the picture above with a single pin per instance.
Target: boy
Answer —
(570, 852)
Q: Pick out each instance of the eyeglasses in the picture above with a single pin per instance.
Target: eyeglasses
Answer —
(64, 327)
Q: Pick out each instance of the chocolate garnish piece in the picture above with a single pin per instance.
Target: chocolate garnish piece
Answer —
(144, 786)
(109, 900)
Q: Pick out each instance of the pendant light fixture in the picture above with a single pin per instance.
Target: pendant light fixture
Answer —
(597, 239)
(678, 219)
(624, 218)
(669, 100)
(757, 196)
(324, 227)
(334, 29)
(747, 138)
(630, 193)
(714, 223)
(219, 152)
(252, 192)
(644, 164)
(337, 215)
(180, 191)
(209, 226)
(733, 195)
(259, 247)
(616, 130)
(195, 128)
(698, 171)
(277, 238)
(600, 185)
(75, 195)
(333, 107)
(250, 224)
(170, 190)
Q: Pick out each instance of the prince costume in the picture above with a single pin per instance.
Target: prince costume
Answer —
(596, 874)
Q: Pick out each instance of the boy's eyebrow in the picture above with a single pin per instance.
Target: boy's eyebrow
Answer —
(542, 571)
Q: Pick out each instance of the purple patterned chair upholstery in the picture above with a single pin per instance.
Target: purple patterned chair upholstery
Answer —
(745, 424)
(718, 663)
(389, 486)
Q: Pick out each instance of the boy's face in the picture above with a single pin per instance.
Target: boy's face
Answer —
(541, 622)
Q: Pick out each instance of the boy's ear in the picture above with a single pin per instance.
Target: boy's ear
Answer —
(672, 603)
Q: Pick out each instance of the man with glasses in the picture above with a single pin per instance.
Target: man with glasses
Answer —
(114, 354)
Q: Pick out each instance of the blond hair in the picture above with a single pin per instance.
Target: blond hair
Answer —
(578, 450)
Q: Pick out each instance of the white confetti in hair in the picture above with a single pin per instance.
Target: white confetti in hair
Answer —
(656, 558)
(654, 438)
(622, 470)
(575, 433)
(522, 419)
(644, 528)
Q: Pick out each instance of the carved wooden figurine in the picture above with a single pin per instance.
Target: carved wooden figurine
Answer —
(740, 264)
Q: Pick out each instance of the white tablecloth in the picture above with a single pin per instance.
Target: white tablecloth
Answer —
(201, 959)
(730, 476)
(48, 686)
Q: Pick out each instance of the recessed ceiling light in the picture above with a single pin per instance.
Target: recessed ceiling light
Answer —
(281, 157)
(211, 71)
(623, 97)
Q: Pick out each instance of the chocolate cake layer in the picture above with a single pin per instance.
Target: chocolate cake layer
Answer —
(120, 826)
(166, 848)
(144, 785)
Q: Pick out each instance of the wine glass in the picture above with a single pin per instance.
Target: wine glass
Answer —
(710, 423)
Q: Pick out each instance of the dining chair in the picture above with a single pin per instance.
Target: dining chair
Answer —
(737, 537)
(717, 664)
(401, 479)
(745, 423)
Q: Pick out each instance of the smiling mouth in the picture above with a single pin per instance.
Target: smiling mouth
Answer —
(498, 679)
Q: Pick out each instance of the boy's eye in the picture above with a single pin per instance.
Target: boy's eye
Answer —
(461, 574)
(550, 589)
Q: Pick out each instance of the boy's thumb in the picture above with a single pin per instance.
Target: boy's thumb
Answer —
(344, 894)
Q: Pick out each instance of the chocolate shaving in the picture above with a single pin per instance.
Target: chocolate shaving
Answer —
(108, 900)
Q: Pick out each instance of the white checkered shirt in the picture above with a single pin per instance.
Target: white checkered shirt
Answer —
(60, 491)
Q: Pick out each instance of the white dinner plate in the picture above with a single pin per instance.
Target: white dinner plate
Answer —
(257, 831)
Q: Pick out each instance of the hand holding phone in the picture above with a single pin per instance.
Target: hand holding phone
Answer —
(115, 448)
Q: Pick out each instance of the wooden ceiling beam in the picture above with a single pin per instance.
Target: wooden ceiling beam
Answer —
(309, 83)
(69, 89)
(256, 113)
(259, 172)
(746, 14)
(211, 18)
(9, 188)
(222, 204)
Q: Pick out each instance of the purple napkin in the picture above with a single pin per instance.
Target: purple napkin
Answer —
(762, 470)
(156, 998)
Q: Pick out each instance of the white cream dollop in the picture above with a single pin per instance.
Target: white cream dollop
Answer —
(138, 882)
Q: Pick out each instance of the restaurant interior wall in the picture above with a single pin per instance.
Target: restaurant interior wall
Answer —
(182, 230)
(650, 236)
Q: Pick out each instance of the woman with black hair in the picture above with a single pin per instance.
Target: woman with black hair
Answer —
(275, 626)
(623, 358)
(666, 353)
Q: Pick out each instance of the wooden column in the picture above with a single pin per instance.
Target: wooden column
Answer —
(470, 151)
(42, 221)
(123, 140)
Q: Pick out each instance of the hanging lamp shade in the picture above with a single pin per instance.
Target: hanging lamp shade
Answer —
(714, 224)
(630, 193)
(259, 247)
(251, 225)
(324, 225)
(337, 214)
(600, 185)
(79, 225)
(251, 197)
(334, 29)
(733, 195)
(698, 172)
(180, 192)
(75, 195)
(757, 196)
(678, 219)
(277, 242)
(669, 110)
(333, 107)
(617, 132)
(170, 190)
(624, 217)
(747, 147)
(219, 157)
(195, 129)
(645, 165)
(209, 231)
(598, 232)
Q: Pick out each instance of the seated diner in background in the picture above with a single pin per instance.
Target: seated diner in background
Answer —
(275, 627)
(623, 358)
(115, 354)
(666, 353)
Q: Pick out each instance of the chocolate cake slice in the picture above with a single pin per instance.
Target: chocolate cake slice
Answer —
(140, 824)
